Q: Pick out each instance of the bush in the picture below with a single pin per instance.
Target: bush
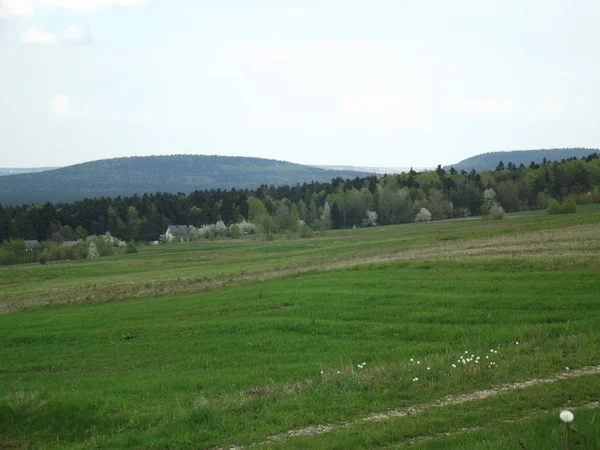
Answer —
(234, 231)
(247, 227)
(541, 200)
(93, 251)
(496, 212)
(306, 232)
(131, 248)
(569, 206)
(588, 198)
(423, 216)
(8, 258)
(43, 259)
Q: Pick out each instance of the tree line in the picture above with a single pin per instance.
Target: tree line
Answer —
(341, 203)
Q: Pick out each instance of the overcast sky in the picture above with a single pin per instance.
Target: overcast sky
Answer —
(377, 83)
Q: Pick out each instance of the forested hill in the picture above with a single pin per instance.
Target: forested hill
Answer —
(489, 161)
(140, 175)
(15, 171)
(391, 199)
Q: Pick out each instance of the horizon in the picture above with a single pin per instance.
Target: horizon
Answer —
(408, 166)
(328, 83)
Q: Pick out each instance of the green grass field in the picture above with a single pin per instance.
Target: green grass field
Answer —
(262, 344)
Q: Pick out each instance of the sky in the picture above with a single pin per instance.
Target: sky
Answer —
(393, 83)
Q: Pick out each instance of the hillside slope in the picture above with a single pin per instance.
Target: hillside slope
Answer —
(139, 175)
(489, 161)
(18, 170)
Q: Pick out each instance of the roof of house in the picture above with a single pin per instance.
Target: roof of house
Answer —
(178, 229)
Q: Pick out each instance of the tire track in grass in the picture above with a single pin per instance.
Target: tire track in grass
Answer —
(417, 409)
(420, 439)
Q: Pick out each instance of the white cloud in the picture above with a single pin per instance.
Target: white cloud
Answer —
(81, 5)
(482, 107)
(36, 36)
(77, 35)
(548, 108)
(60, 106)
(15, 8)
(348, 84)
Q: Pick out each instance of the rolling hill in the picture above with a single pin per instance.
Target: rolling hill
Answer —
(139, 175)
(14, 171)
(489, 161)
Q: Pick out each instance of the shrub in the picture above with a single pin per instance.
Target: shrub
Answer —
(423, 216)
(131, 248)
(247, 227)
(496, 212)
(234, 231)
(8, 258)
(306, 232)
(588, 197)
(43, 259)
(104, 244)
(93, 251)
(541, 200)
(567, 207)
(220, 228)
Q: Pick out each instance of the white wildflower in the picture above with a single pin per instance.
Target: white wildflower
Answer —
(566, 416)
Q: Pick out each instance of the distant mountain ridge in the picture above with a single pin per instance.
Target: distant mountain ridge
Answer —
(489, 161)
(17, 170)
(375, 169)
(146, 174)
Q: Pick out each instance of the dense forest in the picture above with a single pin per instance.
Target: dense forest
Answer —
(148, 174)
(488, 161)
(341, 203)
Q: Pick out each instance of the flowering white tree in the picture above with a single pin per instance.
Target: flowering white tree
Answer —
(423, 216)
(92, 251)
(370, 219)
(247, 227)
(220, 228)
(496, 212)
(491, 209)
(489, 195)
(325, 218)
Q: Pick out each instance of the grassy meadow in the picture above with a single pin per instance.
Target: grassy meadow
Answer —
(350, 339)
